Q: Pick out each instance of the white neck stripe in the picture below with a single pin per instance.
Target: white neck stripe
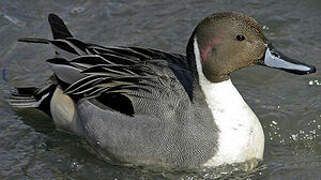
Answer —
(198, 59)
(240, 135)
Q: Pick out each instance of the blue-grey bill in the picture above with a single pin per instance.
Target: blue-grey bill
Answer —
(276, 59)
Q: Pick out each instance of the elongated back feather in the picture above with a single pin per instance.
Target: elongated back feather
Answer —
(90, 70)
(58, 27)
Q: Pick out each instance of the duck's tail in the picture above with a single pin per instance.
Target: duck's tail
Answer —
(26, 97)
(31, 97)
(58, 28)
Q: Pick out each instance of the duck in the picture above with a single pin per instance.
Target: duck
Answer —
(149, 107)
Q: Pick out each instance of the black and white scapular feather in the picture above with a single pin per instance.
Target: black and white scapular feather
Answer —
(85, 70)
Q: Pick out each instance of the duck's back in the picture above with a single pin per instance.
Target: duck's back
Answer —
(141, 81)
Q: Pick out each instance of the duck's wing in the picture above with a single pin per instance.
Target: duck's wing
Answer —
(112, 73)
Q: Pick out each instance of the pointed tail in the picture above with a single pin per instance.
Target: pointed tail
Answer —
(27, 97)
(58, 28)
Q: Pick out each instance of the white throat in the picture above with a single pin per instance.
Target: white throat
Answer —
(240, 136)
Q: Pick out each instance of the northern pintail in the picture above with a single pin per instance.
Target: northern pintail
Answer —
(149, 107)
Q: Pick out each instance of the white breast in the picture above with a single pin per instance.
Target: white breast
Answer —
(240, 135)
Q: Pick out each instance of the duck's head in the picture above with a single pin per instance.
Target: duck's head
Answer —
(230, 41)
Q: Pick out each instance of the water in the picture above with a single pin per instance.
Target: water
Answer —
(288, 105)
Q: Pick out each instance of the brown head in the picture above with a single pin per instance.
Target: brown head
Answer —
(230, 41)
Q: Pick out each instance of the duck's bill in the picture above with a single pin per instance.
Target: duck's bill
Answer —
(277, 60)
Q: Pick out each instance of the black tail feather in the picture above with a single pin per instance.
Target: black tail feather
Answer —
(58, 27)
(34, 40)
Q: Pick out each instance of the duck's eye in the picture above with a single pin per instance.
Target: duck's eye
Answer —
(240, 37)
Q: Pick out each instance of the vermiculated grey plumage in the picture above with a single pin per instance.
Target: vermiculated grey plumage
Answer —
(134, 104)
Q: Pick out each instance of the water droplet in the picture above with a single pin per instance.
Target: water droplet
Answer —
(77, 10)
(75, 166)
(265, 27)
(314, 83)
(294, 137)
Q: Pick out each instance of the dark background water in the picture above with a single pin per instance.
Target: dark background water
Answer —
(288, 106)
